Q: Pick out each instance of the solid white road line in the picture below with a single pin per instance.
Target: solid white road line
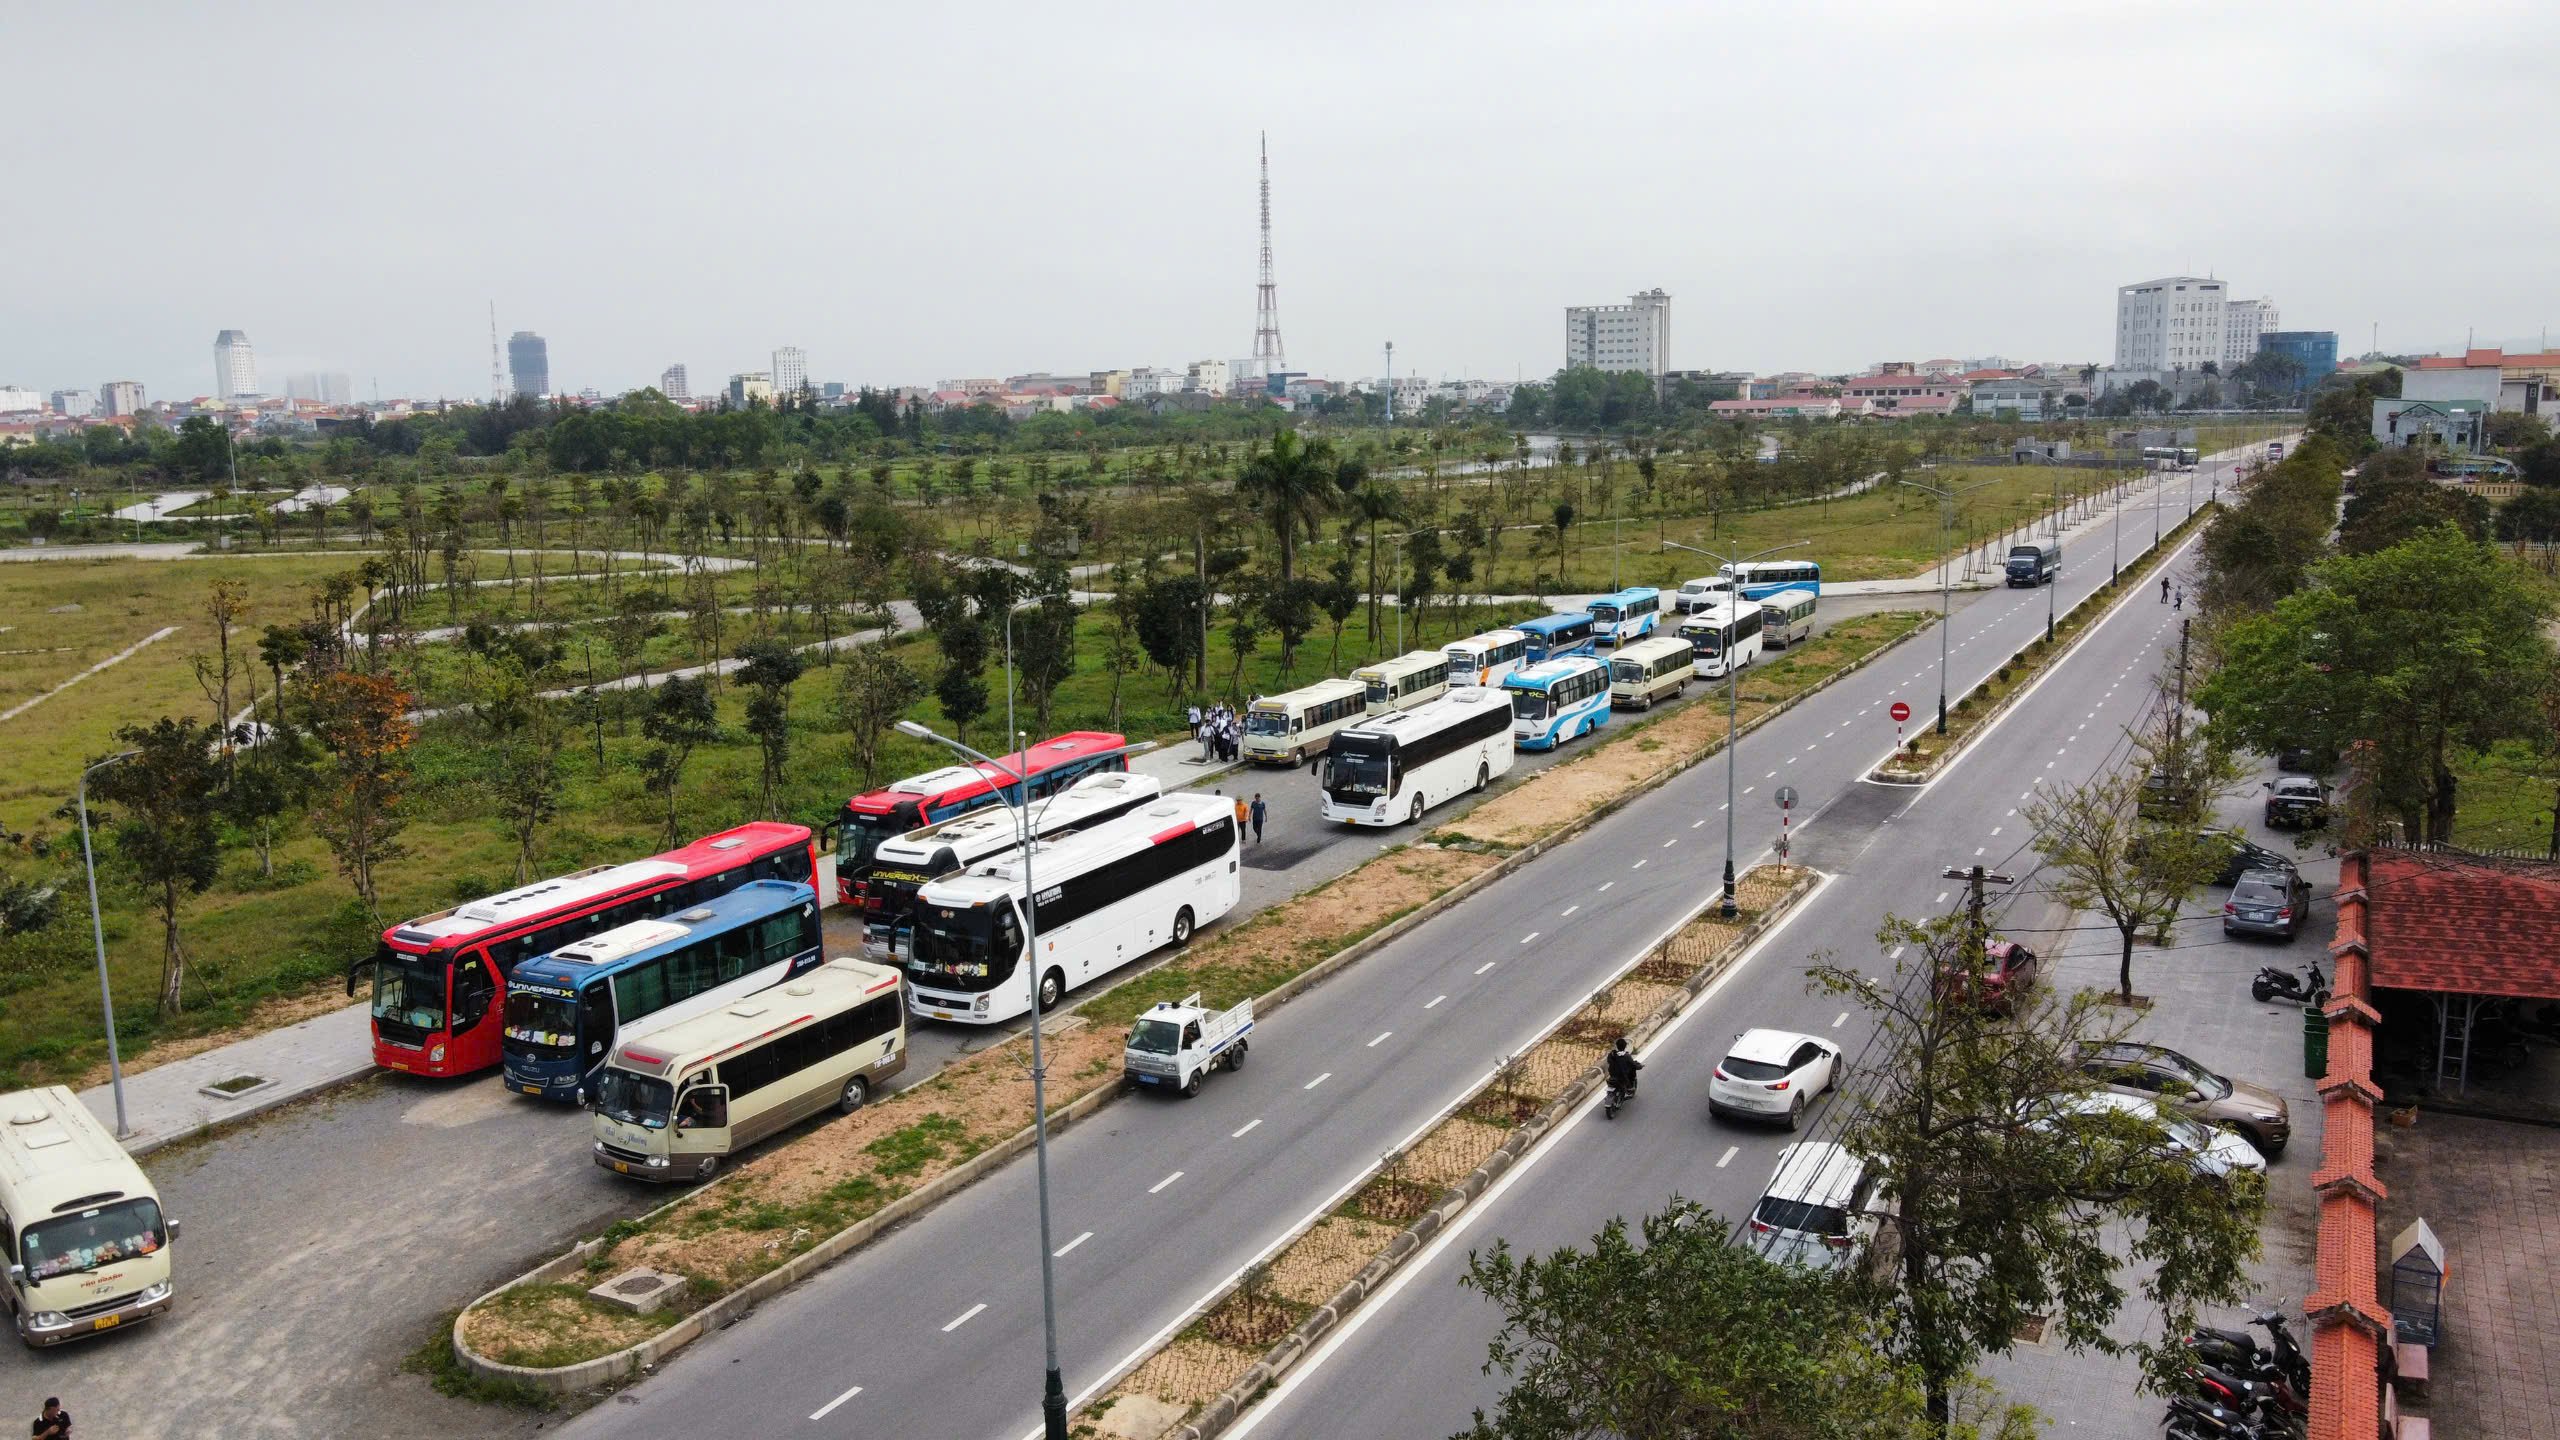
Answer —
(1436, 999)
(965, 1317)
(1729, 1152)
(1061, 1251)
(1152, 1189)
(823, 1411)
(1372, 1045)
(1310, 1085)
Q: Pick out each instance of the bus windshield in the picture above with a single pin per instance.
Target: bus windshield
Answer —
(1529, 704)
(634, 1099)
(1266, 722)
(1627, 670)
(105, 1235)
(1380, 692)
(1605, 614)
(860, 835)
(409, 989)
(1353, 773)
(1155, 1037)
(969, 949)
(548, 1023)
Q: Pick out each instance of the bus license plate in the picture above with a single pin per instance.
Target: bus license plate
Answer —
(622, 1166)
(393, 1065)
(106, 1322)
(941, 1014)
(1146, 1080)
(531, 1089)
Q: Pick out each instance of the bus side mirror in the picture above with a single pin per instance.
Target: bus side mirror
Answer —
(173, 1232)
(18, 1276)
(353, 971)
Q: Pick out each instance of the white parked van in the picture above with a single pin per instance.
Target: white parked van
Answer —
(672, 1103)
(88, 1248)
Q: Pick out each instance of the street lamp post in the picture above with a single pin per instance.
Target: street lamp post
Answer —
(1946, 605)
(98, 934)
(1732, 737)
(2055, 586)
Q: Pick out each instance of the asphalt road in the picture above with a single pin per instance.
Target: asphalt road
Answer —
(936, 1330)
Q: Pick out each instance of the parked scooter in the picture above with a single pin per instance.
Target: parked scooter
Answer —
(2238, 1351)
(2275, 984)
(2191, 1418)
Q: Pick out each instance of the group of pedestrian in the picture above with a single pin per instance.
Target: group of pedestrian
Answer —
(1220, 731)
(1251, 815)
(2181, 600)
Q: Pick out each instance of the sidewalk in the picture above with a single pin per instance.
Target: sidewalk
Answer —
(169, 1102)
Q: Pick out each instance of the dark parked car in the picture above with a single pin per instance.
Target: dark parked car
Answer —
(2267, 902)
(2303, 760)
(2008, 969)
(2164, 798)
(2179, 1082)
(2240, 854)
(2296, 801)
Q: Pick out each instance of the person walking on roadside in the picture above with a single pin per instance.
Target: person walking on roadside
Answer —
(2164, 589)
(1259, 811)
(2181, 602)
(1244, 815)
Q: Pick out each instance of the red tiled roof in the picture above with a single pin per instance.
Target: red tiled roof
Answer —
(2468, 924)
(2485, 360)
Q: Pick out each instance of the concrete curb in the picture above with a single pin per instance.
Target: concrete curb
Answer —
(1231, 1404)
(631, 1360)
(2140, 568)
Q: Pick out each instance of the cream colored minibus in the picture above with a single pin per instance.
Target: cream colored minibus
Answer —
(88, 1249)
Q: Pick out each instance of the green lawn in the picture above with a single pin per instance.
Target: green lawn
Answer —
(2504, 797)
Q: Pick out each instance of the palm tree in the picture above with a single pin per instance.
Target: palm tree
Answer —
(1373, 502)
(1291, 483)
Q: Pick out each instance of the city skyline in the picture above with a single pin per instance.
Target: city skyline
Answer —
(1446, 225)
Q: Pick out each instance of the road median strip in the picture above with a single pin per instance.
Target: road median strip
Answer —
(1251, 1333)
(798, 1207)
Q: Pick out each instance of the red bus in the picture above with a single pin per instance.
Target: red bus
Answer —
(439, 981)
(937, 795)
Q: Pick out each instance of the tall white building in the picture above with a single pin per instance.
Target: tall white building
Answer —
(790, 371)
(17, 398)
(120, 397)
(235, 366)
(74, 404)
(2243, 321)
(1206, 377)
(1634, 336)
(673, 384)
(749, 386)
(2175, 323)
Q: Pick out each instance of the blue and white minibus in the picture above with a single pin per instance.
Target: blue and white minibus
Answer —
(1555, 701)
(1625, 617)
(1553, 637)
(1760, 579)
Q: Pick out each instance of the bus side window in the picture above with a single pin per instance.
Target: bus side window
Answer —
(874, 1020)
(780, 937)
(737, 952)
(595, 1017)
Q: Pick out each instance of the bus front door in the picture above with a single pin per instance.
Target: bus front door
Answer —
(595, 1027)
(701, 1134)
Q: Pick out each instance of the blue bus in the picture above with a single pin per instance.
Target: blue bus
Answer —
(566, 1011)
(1760, 579)
(1552, 637)
(1555, 701)
(1626, 616)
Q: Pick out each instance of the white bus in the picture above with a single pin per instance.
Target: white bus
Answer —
(1484, 659)
(1107, 896)
(87, 1246)
(1704, 593)
(1408, 680)
(1397, 766)
(900, 867)
(1726, 638)
(670, 1106)
(1643, 674)
(1786, 618)
(1285, 729)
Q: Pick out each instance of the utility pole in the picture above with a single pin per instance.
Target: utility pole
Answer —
(1977, 928)
(2178, 715)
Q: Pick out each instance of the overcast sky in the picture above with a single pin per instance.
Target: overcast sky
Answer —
(924, 191)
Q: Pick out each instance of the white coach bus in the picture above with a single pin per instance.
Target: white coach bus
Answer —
(1397, 766)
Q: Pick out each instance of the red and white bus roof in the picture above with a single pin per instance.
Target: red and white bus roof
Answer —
(509, 909)
(960, 782)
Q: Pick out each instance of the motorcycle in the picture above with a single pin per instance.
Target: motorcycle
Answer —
(1618, 1096)
(2191, 1418)
(2239, 1352)
(2275, 984)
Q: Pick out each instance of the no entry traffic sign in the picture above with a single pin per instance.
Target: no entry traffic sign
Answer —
(1901, 712)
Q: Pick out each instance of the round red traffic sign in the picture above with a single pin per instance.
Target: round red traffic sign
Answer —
(1901, 712)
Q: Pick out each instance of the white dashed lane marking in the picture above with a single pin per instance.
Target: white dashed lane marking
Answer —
(1310, 1085)
(1434, 1000)
(1152, 1189)
(1727, 1157)
(965, 1317)
(1061, 1251)
(829, 1408)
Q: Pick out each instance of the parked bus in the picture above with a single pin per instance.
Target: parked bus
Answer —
(920, 800)
(1760, 579)
(1553, 637)
(1626, 616)
(1786, 618)
(1107, 896)
(1410, 679)
(1558, 701)
(1704, 593)
(567, 1010)
(1285, 729)
(671, 1105)
(902, 866)
(1644, 674)
(1397, 766)
(1484, 659)
(88, 1249)
(440, 980)
(1726, 639)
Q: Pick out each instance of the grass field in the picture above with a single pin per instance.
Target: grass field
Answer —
(2505, 796)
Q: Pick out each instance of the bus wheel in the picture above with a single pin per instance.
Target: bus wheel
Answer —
(1484, 776)
(1415, 815)
(856, 1090)
(1052, 986)
(1182, 926)
(1297, 757)
(709, 1166)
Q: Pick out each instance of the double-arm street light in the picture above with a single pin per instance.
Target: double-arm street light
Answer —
(98, 933)
(1946, 524)
(1732, 737)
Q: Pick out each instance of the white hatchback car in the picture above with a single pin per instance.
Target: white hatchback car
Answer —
(2211, 1150)
(1773, 1075)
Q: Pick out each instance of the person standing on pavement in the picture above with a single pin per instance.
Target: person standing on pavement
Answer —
(1244, 815)
(55, 1422)
(2164, 589)
(1259, 811)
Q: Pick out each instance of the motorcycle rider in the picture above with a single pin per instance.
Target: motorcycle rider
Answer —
(1623, 1066)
